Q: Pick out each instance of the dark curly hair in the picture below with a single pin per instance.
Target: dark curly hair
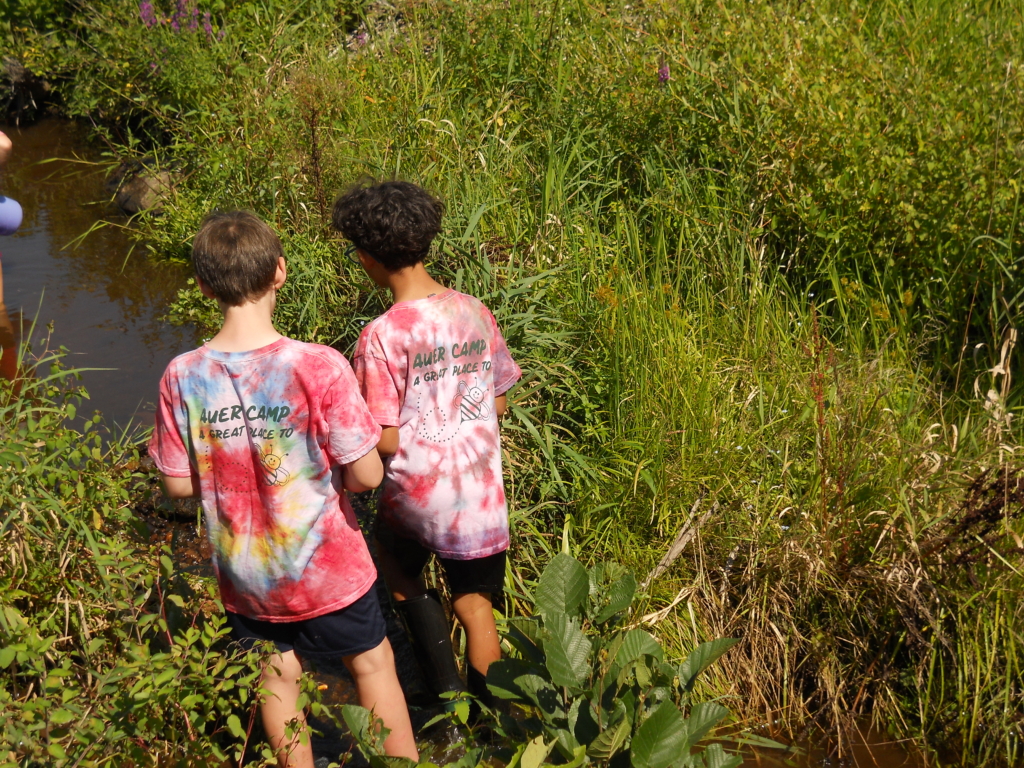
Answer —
(394, 222)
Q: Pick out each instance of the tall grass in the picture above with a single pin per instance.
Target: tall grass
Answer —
(780, 282)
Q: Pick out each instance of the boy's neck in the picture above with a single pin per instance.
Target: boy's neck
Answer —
(412, 283)
(248, 326)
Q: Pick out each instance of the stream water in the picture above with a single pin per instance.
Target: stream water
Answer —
(106, 306)
(105, 303)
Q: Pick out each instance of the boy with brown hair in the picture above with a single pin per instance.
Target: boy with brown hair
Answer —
(269, 432)
(434, 370)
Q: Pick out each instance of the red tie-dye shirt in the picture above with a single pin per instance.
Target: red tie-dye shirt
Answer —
(432, 367)
(266, 431)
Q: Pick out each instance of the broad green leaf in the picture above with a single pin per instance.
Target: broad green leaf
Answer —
(357, 719)
(660, 739)
(567, 650)
(235, 726)
(581, 721)
(703, 717)
(613, 737)
(620, 595)
(536, 753)
(702, 657)
(525, 645)
(541, 694)
(7, 655)
(563, 587)
(529, 626)
(578, 756)
(637, 643)
(716, 757)
(60, 716)
(503, 676)
(565, 741)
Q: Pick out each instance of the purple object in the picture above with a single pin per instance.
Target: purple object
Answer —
(10, 216)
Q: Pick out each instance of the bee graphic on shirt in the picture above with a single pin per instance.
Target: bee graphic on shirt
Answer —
(471, 402)
(273, 472)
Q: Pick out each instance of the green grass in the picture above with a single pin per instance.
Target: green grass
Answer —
(777, 283)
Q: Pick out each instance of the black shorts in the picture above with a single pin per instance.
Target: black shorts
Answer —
(350, 630)
(482, 574)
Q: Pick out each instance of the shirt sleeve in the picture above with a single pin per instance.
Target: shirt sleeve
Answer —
(167, 446)
(375, 381)
(351, 430)
(506, 372)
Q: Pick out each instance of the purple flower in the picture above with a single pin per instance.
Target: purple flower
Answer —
(220, 35)
(207, 27)
(174, 26)
(663, 73)
(361, 39)
(147, 14)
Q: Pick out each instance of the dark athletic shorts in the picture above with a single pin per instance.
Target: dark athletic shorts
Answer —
(353, 629)
(484, 574)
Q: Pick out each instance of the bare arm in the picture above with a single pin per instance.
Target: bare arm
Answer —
(388, 443)
(5, 147)
(501, 405)
(363, 474)
(180, 487)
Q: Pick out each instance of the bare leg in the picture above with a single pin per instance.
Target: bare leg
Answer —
(476, 614)
(378, 688)
(401, 586)
(281, 679)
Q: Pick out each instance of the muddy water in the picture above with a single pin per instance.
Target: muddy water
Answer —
(867, 749)
(104, 302)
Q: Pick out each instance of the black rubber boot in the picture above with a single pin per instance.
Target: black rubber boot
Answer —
(478, 686)
(428, 625)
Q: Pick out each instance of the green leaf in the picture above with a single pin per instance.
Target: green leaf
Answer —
(702, 657)
(235, 726)
(57, 751)
(7, 655)
(502, 677)
(525, 645)
(563, 587)
(703, 717)
(60, 716)
(567, 650)
(582, 723)
(536, 753)
(613, 737)
(660, 738)
(637, 643)
(716, 757)
(620, 595)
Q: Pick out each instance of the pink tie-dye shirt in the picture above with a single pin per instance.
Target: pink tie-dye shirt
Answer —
(266, 432)
(432, 368)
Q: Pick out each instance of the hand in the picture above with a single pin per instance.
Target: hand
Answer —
(5, 147)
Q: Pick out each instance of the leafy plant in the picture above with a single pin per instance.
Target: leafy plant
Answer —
(597, 692)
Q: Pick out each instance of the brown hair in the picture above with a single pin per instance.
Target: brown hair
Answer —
(235, 255)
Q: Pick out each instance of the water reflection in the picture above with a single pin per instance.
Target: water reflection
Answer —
(104, 302)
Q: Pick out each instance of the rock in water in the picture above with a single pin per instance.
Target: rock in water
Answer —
(144, 192)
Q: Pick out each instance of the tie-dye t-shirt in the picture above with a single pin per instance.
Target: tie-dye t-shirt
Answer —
(266, 431)
(432, 367)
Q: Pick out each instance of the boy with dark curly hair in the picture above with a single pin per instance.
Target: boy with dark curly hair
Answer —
(434, 370)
